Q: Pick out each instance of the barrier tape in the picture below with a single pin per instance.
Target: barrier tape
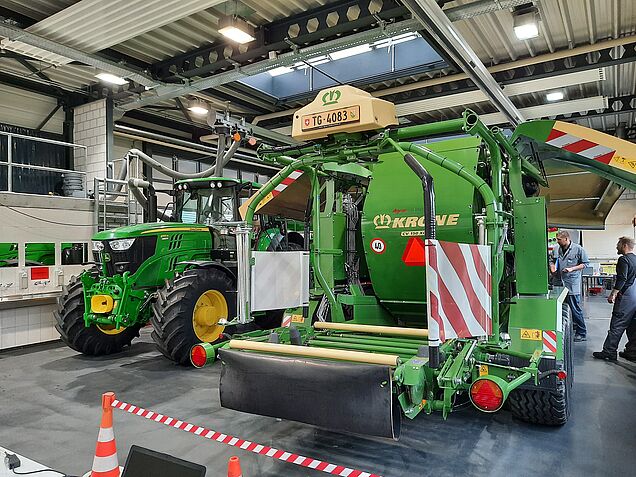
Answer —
(267, 451)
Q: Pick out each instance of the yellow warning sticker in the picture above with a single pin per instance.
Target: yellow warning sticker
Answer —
(530, 334)
(297, 319)
(483, 369)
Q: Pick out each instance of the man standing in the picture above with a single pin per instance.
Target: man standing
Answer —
(623, 297)
(569, 261)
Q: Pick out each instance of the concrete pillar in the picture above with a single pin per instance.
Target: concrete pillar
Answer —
(90, 130)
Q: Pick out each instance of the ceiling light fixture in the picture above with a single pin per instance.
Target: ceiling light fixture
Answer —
(525, 21)
(356, 50)
(281, 70)
(236, 29)
(110, 78)
(198, 107)
(554, 96)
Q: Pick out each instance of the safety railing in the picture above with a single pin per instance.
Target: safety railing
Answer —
(115, 206)
(70, 177)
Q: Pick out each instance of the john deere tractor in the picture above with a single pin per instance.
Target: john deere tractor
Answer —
(101, 311)
(429, 284)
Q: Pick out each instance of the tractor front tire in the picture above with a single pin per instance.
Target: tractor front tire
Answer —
(173, 311)
(90, 340)
(548, 407)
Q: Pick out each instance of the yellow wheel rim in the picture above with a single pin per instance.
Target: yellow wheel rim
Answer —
(110, 329)
(208, 310)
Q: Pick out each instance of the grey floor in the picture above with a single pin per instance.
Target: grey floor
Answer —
(50, 411)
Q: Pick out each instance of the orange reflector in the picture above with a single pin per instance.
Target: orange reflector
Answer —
(198, 356)
(252, 141)
(236, 136)
(486, 395)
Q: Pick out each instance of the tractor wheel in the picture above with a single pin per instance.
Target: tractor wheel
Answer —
(548, 407)
(188, 309)
(95, 340)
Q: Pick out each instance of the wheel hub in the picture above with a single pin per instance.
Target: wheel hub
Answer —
(208, 310)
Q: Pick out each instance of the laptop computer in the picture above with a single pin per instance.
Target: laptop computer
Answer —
(142, 462)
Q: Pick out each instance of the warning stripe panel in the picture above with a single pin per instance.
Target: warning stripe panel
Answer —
(549, 341)
(260, 449)
(459, 288)
(583, 147)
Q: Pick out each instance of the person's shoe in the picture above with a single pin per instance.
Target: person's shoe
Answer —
(628, 357)
(579, 338)
(604, 355)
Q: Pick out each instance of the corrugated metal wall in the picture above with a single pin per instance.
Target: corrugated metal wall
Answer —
(25, 109)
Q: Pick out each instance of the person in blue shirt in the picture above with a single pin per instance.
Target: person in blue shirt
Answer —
(567, 264)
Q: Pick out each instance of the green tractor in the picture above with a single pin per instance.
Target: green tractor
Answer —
(430, 272)
(139, 268)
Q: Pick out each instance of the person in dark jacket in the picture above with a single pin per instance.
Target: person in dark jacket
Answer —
(623, 296)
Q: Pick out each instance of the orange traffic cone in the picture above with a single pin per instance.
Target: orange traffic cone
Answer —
(105, 463)
(234, 467)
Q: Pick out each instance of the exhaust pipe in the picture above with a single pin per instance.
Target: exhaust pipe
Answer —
(429, 229)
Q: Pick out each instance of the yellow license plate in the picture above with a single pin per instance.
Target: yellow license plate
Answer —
(329, 119)
(530, 334)
(483, 369)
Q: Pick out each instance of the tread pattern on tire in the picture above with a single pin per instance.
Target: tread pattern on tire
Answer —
(540, 406)
(173, 332)
(69, 317)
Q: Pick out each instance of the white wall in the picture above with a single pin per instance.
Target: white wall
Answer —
(601, 244)
(89, 129)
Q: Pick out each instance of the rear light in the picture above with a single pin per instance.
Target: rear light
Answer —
(561, 375)
(198, 356)
(486, 395)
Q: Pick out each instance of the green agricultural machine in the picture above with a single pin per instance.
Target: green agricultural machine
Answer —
(429, 272)
(143, 268)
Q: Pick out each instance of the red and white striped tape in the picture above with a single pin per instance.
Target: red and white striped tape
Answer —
(289, 180)
(459, 290)
(267, 451)
(583, 147)
(287, 321)
(550, 341)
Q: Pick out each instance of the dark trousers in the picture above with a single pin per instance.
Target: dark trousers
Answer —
(623, 319)
(576, 313)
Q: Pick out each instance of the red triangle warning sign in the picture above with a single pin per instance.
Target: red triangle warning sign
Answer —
(414, 253)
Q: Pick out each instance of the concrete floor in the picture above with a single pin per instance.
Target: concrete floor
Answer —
(50, 411)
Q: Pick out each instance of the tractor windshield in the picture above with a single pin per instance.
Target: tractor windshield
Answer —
(207, 206)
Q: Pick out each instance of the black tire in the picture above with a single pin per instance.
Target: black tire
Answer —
(173, 331)
(548, 407)
(70, 324)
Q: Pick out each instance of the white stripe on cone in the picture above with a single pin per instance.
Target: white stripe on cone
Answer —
(105, 435)
(105, 464)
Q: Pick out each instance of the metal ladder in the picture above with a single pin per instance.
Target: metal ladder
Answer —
(114, 209)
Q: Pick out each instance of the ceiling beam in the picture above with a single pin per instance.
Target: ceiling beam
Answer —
(441, 29)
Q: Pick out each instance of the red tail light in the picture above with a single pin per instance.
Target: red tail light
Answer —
(562, 375)
(198, 356)
(486, 395)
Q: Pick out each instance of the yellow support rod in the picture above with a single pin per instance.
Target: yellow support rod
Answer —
(373, 329)
(309, 352)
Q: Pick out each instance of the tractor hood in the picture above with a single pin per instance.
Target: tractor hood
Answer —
(586, 170)
(141, 230)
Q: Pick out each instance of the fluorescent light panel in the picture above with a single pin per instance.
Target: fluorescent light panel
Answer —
(554, 96)
(356, 50)
(527, 31)
(110, 78)
(236, 29)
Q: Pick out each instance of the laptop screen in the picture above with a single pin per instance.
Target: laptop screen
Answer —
(142, 462)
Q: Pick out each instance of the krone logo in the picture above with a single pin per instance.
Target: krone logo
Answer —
(382, 221)
(331, 97)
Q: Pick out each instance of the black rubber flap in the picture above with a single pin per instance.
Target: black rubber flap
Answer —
(340, 396)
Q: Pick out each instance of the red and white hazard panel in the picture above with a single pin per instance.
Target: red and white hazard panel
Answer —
(550, 341)
(583, 147)
(459, 290)
(289, 180)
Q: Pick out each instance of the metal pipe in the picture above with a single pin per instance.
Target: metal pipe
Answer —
(306, 351)
(386, 340)
(373, 329)
(220, 148)
(409, 133)
(475, 127)
(402, 352)
(166, 170)
(243, 256)
(135, 186)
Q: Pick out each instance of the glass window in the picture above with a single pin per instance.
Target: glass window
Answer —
(39, 254)
(8, 254)
(74, 253)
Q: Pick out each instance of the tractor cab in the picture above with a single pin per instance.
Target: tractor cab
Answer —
(211, 200)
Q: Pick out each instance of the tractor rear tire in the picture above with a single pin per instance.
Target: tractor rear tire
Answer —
(548, 407)
(172, 319)
(87, 340)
